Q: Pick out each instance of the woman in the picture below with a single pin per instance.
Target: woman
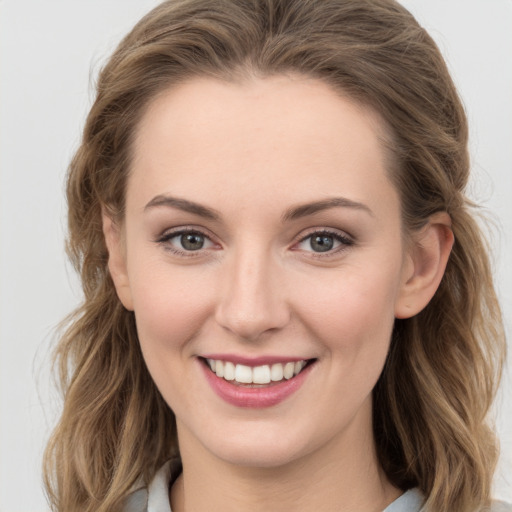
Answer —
(288, 304)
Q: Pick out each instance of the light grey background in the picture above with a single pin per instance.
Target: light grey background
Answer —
(49, 54)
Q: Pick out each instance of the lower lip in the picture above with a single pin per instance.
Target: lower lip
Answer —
(259, 397)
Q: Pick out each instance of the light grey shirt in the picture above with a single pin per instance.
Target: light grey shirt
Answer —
(155, 497)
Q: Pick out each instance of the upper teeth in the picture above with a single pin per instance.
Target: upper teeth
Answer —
(256, 374)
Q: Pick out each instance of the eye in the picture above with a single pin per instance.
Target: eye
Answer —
(185, 241)
(324, 242)
(190, 241)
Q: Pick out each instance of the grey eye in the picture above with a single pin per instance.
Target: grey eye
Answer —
(192, 241)
(321, 243)
(186, 241)
(324, 242)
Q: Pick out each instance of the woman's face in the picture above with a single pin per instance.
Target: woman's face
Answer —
(262, 232)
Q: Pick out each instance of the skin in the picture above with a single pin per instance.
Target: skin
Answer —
(251, 152)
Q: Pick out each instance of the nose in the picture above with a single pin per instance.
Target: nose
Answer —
(253, 299)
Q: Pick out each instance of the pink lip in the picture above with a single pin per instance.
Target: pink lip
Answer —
(259, 397)
(252, 361)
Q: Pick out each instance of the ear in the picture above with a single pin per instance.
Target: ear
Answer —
(425, 265)
(117, 259)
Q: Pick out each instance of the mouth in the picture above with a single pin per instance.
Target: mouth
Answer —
(256, 376)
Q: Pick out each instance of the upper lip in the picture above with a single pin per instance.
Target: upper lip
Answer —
(254, 361)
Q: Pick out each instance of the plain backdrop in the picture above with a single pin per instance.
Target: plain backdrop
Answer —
(50, 53)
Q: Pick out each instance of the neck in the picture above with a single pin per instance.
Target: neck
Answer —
(342, 475)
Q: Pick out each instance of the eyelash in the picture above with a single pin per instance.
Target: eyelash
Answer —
(166, 237)
(344, 241)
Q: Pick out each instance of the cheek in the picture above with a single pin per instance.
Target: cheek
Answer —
(170, 307)
(170, 311)
(351, 319)
(352, 309)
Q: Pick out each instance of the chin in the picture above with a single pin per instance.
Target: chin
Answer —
(259, 448)
(258, 456)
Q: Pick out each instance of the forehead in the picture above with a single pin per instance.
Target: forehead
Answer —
(290, 134)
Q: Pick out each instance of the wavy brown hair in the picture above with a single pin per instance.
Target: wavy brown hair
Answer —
(432, 400)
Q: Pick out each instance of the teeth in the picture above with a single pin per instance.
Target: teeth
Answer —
(229, 371)
(276, 372)
(289, 368)
(255, 375)
(243, 373)
(261, 374)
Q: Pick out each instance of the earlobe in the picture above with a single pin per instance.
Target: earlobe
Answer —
(427, 260)
(117, 260)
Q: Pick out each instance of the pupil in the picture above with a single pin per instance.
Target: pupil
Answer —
(322, 243)
(192, 242)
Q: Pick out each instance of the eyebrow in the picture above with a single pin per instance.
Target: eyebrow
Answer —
(304, 210)
(293, 213)
(184, 205)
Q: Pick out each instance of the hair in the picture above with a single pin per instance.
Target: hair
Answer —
(432, 400)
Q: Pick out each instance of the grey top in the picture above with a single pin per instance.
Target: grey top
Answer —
(155, 497)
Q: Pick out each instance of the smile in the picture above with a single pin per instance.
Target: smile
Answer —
(264, 374)
(255, 384)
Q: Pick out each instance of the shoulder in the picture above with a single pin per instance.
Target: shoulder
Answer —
(155, 496)
(413, 501)
(501, 506)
